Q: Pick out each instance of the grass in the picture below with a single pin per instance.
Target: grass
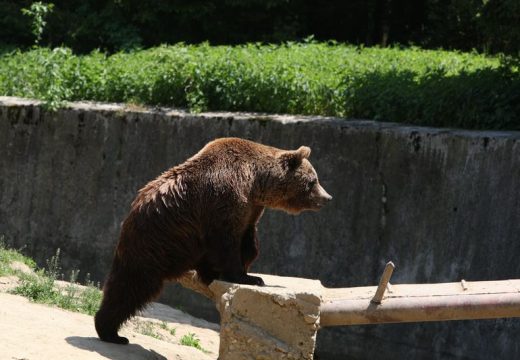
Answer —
(40, 285)
(147, 328)
(8, 256)
(153, 329)
(191, 340)
(164, 326)
(425, 87)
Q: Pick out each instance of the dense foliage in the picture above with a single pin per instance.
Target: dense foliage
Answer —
(84, 25)
(437, 88)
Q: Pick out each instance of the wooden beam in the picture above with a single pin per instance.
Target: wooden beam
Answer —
(422, 302)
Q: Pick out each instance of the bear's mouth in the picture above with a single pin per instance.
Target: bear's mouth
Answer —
(322, 197)
(319, 204)
(322, 201)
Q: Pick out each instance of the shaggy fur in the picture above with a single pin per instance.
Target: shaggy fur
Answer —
(203, 215)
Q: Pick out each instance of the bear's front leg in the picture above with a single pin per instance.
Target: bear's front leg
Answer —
(227, 253)
(249, 247)
(233, 270)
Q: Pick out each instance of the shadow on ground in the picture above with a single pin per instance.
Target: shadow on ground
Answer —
(113, 351)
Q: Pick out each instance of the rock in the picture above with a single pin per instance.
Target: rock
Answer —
(279, 324)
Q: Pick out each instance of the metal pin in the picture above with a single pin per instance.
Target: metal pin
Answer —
(389, 288)
(464, 285)
(383, 283)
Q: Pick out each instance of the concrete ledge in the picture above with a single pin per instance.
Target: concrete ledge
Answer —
(9, 101)
(278, 321)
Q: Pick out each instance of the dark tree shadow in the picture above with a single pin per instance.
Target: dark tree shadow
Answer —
(113, 351)
(486, 98)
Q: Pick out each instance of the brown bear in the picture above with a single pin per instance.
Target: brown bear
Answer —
(203, 215)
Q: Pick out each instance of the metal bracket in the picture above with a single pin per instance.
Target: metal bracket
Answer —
(383, 283)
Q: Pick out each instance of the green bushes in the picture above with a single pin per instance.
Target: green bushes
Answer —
(436, 88)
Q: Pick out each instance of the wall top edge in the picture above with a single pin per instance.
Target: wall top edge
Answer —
(354, 124)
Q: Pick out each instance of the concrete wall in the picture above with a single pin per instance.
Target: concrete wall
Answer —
(442, 204)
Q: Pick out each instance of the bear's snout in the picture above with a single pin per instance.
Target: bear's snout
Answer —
(322, 197)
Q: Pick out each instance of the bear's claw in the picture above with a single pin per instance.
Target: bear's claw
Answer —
(243, 279)
(255, 280)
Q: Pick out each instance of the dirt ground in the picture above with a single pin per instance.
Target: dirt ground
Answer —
(30, 331)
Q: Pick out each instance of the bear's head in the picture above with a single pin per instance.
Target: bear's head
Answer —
(294, 183)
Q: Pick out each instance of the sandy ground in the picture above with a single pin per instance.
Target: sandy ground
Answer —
(30, 331)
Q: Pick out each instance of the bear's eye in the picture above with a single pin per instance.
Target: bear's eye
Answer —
(313, 183)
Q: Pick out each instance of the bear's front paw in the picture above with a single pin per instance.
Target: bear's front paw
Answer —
(243, 279)
(255, 280)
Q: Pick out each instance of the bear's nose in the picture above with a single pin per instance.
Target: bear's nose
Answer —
(325, 196)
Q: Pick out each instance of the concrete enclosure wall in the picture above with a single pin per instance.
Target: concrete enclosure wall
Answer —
(442, 204)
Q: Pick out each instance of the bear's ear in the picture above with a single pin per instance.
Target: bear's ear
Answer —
(304, 151)
(293, 158)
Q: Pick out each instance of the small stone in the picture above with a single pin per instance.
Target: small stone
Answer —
(310, 319)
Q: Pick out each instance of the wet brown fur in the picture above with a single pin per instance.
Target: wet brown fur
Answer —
(202, 215)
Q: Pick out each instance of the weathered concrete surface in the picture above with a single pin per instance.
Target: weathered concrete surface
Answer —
(442, 204)
(278, 321)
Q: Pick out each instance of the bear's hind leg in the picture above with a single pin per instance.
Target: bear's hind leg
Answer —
(125, 292)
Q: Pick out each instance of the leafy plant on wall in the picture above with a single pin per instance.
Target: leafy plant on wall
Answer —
(38, 11)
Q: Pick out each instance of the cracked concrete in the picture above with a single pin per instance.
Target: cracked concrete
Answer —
(282, 324)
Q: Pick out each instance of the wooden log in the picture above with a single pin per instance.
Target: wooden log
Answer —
(422, 302)
(190, 280)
